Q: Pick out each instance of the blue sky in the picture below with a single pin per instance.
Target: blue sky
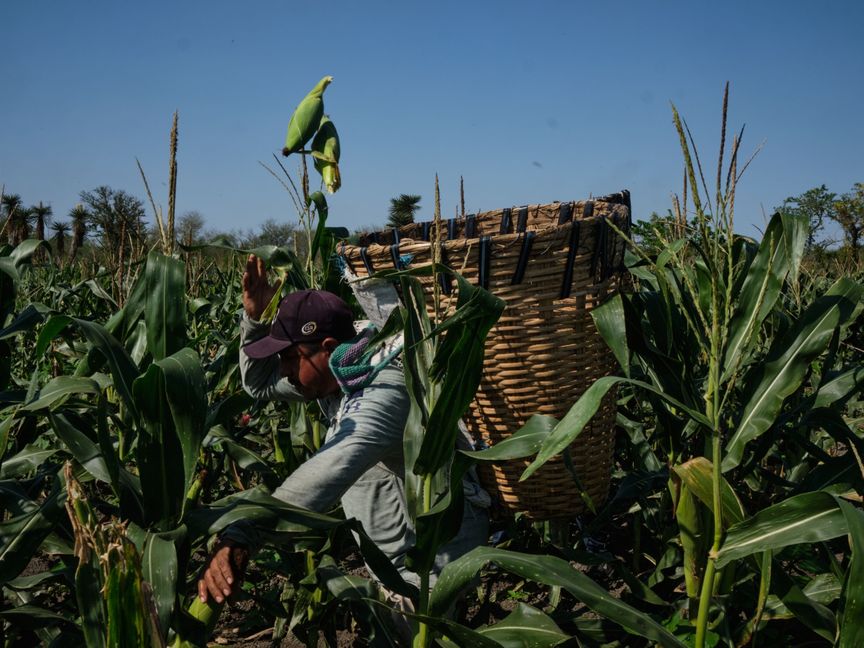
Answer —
(530, 102)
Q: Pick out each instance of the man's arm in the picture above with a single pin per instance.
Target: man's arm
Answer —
(261, 378)
(367, 430)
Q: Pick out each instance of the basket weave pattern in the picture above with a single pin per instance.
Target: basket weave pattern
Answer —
(544, 352)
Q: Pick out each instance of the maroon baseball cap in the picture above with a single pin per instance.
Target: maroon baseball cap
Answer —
(305, 316)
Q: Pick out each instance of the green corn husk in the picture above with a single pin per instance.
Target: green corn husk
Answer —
(325, 154)
(115, 602)
(206, 614)
(306, 118)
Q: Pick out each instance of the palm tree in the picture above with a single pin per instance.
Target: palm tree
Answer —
(21, 219)
(61, 232)
(79, 216)
(41, 214)
(402, 210)
(10, 204)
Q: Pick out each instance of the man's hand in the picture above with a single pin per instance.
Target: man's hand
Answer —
(224, 573)
(257, 291)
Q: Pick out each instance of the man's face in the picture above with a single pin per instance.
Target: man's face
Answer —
(306, 367)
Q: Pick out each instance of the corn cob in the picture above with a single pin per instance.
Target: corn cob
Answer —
(306, 118)
(325, 153)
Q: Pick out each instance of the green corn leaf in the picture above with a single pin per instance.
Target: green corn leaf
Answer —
(525, 442)
(694, 535)
(123, 369)
(21, 537)
(88, 593)
(7, 418)
(52, 328)
(810, 613)
(171, 397)
(787, 364)
(456, 635)
(26, 320)
(761, 288)
(158, 452)
(165, 310)
(33, 616)
(823, 588)
(525, 627)
(610, 320)
(852, 597)
(127, 619)
(85, 451)
(244, 457)
(28, 459)
(58, 389)
(569, 427)
(839, 387)
(320, 202)
(458, 367)
(697, 474)
(186, 393)
(23, 583)
(550, 571)
(809, 517)
(159, 568)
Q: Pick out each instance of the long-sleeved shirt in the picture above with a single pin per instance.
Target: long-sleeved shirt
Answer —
(361, 461)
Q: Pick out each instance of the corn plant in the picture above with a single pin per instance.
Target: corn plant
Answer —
(737, 382)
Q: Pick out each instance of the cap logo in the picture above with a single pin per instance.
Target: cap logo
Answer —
(309, 328)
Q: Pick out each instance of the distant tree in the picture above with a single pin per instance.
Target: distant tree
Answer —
(21, 220)
(41, 216)
(402, 210)
(270, 233)
(117, 218)
(189, 228)
(10, 204)
(849, 214)
(61, 231)
(816, 205)
(80, 216)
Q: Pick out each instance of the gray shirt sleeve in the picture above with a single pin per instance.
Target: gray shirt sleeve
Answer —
(261, 378)
(367, 430)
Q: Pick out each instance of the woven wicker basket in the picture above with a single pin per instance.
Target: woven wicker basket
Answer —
(551, 264)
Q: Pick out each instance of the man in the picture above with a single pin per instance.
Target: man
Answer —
(307, 355)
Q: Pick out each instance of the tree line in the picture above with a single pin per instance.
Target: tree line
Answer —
(818, 206)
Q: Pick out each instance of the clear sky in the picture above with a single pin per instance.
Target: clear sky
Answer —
(529, 101)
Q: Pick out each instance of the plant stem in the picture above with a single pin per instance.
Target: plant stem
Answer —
(421, 639)
(712, 401)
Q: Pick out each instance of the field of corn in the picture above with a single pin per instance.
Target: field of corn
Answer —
(127, 443)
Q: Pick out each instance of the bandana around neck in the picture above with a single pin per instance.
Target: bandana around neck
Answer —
(355, 364)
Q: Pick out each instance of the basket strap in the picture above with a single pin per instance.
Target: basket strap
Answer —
(444, 279)
(470, 226)
(505, 221)
(601, 250)
(565, 213)
(522, 222)
(483, 258)
(396, 237)
(524, 253)
(394, 254)
(346, 259)
(451, 229)
(366, 261)
(425, 229)
(566, 284)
